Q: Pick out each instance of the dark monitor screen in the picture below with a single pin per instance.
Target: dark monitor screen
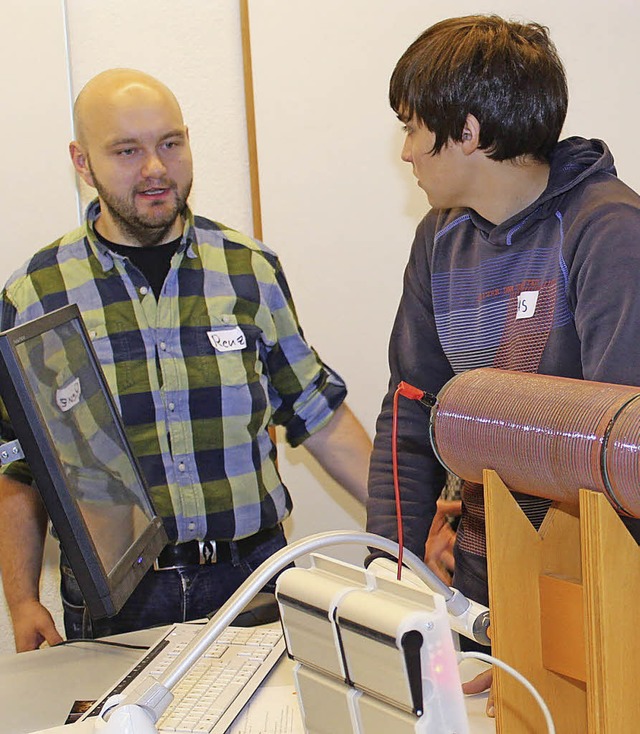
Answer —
(68, 426)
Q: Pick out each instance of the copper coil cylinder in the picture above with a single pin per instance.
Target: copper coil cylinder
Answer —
(545, 436)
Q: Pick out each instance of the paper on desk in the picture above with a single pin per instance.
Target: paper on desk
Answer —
(274, 711)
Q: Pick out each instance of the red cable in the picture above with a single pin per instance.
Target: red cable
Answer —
(396, 482)
(413, 393)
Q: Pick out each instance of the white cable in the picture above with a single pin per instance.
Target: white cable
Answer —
(518, 676)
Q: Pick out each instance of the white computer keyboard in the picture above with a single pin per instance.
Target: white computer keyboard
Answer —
(217, 687)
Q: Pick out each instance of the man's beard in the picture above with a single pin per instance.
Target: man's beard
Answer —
(144, 229)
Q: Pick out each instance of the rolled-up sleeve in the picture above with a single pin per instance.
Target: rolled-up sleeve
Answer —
(304, 391)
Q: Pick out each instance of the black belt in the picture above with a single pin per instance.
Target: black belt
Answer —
(207, 552)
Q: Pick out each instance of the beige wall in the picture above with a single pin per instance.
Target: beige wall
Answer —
(338, 205)
(37, 195)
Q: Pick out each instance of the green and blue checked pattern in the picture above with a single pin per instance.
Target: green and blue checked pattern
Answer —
(196, 416)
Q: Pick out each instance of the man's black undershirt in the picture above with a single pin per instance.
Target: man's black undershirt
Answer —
(153, 261)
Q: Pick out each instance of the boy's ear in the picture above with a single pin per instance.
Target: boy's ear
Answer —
(470, 135)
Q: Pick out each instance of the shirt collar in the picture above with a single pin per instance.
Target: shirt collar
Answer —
(105, 255)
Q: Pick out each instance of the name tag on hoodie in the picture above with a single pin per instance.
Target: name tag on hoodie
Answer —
(527, 302)
(227, 340)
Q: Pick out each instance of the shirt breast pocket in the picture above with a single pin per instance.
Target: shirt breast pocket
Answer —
(119, 351)
(238, 352)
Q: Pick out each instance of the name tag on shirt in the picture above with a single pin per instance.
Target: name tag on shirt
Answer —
(527, 301)
(227, 340)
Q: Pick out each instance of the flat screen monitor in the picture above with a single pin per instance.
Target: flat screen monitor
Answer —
(69, 429)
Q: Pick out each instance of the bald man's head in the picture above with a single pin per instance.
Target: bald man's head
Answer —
(111, 88)
(132, 145)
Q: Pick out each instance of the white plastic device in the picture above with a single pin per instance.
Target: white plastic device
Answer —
(374, 654)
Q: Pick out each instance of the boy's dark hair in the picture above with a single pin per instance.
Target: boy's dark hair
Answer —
(507, 75)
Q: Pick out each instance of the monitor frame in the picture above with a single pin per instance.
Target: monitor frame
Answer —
(104, 592)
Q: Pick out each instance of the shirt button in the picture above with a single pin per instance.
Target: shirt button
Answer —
(163, 346)
(181, 466)
(191, 525)
(144, 290)
(172, 406)
(225, 319)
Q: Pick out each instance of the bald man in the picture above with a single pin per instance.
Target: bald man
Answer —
(133, 147)
(159, 288)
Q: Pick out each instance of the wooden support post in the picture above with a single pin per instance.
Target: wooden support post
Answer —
(517, 556)
(611, 570)
(563, 613)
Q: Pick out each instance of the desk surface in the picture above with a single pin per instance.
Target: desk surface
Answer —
(38, 689)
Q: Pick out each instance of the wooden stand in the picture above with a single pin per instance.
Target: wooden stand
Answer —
(565, 612)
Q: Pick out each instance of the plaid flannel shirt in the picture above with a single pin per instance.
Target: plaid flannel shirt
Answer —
(198, 375)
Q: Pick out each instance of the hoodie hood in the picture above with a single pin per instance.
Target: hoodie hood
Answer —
(572, 161)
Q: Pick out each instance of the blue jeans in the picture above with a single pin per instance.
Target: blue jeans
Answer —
(164, 597)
